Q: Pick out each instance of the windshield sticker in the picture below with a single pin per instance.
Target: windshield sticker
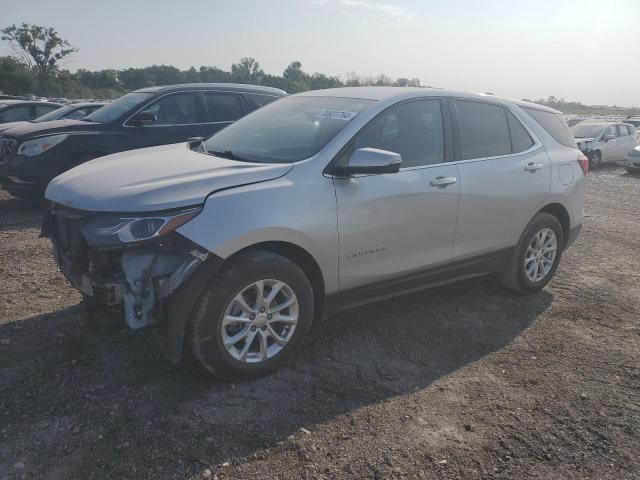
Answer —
(334, 114)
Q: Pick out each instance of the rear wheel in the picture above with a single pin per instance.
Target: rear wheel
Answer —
(253, 317)
(537, 255)
(595, 160)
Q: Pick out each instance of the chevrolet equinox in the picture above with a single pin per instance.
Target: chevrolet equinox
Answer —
(318, 202)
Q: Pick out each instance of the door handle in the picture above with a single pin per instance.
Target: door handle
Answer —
(532, 167)
(443, 181)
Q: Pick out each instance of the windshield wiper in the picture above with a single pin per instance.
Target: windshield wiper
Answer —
(230, 155)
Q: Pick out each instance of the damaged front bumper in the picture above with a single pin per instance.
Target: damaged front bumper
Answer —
(137, 278)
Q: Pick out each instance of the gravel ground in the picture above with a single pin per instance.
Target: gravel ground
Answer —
(466, 381)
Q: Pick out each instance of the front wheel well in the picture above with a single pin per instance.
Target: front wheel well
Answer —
(558, 211)
(300, 257)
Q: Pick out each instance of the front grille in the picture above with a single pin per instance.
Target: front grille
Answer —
(8, 147)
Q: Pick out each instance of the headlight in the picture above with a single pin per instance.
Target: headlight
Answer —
(31, 148)
(118, 229)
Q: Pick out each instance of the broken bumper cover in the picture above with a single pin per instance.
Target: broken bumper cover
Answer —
(138, 277)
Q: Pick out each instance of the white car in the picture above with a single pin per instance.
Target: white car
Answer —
(633, 161)
(603, 141)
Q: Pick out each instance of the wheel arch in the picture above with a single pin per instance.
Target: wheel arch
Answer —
(302, 258)
(560, 212)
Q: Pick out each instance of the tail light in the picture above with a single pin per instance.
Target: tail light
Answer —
(583, 161)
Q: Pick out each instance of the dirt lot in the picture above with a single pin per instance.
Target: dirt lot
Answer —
(465, 381)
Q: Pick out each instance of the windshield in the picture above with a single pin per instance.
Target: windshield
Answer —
(118, 107)
(286, 131)
(590, 130)
(54, 114)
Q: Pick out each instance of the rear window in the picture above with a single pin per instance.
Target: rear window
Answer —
(554, 125)
(223, 107)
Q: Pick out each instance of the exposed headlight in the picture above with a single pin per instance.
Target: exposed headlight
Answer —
(31, 148)
(118, 229)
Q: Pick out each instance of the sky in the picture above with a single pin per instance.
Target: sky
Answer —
(580, 50)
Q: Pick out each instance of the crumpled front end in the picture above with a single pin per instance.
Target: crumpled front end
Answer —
(137, 277)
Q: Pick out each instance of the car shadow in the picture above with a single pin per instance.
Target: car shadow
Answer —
(18, 214)
(76, 403)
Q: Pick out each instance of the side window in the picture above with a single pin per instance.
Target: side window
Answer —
(175, 109)
(42, 109)
(223, 107)
(554, 125)
(623, 131)
(611, 131)
(260, 100)
(484, 130)
(414, 130)
(78, 113)
(520, 138)
(16, 114)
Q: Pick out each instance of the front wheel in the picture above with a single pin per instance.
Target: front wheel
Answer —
(595, 160)
(536, 257)
(253, 317)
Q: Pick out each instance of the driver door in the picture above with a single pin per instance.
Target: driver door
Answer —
(396, 224)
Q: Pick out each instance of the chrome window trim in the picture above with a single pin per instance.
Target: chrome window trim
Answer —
(124, 124)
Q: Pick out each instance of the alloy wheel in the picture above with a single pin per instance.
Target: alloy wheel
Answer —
(260, 321)
(541, 254)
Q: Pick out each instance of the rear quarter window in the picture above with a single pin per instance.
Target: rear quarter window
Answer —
(554, 124)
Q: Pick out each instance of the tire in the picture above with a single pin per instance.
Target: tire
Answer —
(518, 277)
(595, 160)
(220, 301)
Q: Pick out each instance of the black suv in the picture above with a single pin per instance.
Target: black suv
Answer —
(31, 155)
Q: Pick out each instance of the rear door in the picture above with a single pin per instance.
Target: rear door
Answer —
(610, 147)
(626, 139)
(396, 224)
(505, 177)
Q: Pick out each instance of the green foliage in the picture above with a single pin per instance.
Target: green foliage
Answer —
(41, 49)
(15, 78)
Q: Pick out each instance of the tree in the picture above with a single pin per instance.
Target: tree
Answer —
(40, 48)
(247, 71)
(15, 78)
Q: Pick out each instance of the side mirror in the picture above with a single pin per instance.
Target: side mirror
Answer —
(371, 161)
(143, 118)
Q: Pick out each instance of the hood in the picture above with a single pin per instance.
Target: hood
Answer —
(152, 179)
(8, 125)
(54, 126)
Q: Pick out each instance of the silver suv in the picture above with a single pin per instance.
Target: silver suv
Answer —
(318, 202)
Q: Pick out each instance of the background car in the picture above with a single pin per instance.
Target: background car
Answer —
(604, 141)
(76, 111)
(633, 161)
(18, 110)
(31, 155)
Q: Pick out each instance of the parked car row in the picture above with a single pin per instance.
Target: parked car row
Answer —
(31, 155)
(238, 241)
